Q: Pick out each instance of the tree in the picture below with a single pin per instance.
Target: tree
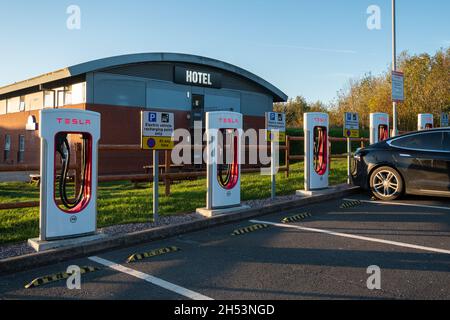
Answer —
(427, 90)
(294, 110)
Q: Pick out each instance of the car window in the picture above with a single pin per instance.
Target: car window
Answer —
(447, 141)
(433, 141)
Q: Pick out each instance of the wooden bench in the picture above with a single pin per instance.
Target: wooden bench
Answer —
(162, 168)
(35, 179)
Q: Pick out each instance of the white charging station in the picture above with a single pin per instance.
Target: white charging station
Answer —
(379, 127)
(425, 121)
(317, 166)
(62, 218)
(224, 132)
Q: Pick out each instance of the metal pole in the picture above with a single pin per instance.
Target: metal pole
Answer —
(155, 185)
(307, 160)
(273, 168)
(394, 68)
(349, 154)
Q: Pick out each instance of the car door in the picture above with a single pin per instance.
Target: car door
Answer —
(447, 159)
(424, 161)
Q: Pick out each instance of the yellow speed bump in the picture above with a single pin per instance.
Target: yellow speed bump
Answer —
(154, 253)
(249, 229)
(296, 218)
(57, 277)
(350, 204)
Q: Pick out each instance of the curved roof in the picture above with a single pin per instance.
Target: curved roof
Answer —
(97, 65)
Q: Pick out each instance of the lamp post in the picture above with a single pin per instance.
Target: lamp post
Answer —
(394, 68)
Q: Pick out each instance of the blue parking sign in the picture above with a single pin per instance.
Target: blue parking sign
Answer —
(152, 117)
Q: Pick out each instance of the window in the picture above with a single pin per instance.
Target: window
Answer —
(447, 141)
(60, 98)
(68, 95)
(7, 148)
(21, 153)
(13, 105)
(3, 106)
(49, 99)
(22, 103)
(431, 141)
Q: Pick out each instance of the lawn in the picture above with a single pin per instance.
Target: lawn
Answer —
(124, 202)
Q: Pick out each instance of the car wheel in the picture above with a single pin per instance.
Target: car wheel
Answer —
(386, 184)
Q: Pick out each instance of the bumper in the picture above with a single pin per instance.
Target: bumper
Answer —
(359, 174)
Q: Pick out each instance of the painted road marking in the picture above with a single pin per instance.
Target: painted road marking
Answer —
(401, 204)
(57, 277)
(296, 218)
(249, 229)
(151, 279)
(350, 204)
(351, 236)
(153, 253)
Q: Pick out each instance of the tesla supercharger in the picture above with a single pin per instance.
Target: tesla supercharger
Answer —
(316, 128)
(379, 127)
(63, 216)
(223, 159)
(425, 121)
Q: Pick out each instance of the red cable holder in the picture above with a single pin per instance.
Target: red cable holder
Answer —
(383, 132)
(320, 150)
(87, 175)
(232, 178)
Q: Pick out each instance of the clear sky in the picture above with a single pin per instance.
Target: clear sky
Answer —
(304, 47)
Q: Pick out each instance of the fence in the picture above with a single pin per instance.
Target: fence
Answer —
(166, 175)
(290, 157)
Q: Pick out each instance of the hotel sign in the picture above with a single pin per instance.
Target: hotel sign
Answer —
(199, 78)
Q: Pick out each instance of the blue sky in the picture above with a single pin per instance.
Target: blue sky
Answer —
(308, 48)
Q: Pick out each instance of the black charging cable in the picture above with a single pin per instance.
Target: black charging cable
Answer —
(63, 148)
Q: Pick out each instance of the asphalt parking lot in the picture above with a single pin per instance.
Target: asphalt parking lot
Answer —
(324, 256)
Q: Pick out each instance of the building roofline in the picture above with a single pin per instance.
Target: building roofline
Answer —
(101, 64)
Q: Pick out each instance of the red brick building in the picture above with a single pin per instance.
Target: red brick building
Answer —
(119, 88)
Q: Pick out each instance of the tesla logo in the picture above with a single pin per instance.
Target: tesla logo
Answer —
(229, 120)
(322, 120)
(77, 122)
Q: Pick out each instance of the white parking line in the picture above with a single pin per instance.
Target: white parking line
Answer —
(351, 236)
(393, 203)
(151, 279)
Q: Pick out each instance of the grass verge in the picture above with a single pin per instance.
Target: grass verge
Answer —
(124, 203)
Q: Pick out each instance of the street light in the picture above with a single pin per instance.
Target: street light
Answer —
(394, 68)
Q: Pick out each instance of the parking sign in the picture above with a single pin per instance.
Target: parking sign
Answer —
(398, 86)
(351, 125)
(276, 121)
(157, 130)
(444, 120)
(152, 117)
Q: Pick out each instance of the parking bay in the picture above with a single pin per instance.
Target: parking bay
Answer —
(408, 240)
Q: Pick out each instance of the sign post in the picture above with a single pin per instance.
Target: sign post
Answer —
(394, 69)
(276, 133)
(444, 120)
(351, 130)
(157, 131)
(398, 95)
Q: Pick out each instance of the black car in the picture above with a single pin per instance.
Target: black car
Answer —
(414, 163)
